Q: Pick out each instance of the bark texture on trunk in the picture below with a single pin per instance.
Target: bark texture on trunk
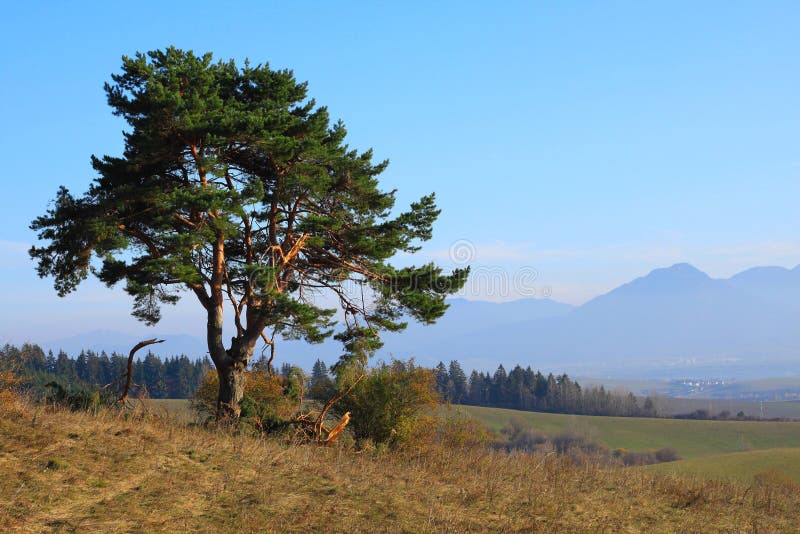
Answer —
(231, 388)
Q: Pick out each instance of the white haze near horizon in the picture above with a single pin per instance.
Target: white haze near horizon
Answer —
(500, 272)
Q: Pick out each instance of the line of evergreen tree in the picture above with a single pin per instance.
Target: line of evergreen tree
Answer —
(175, 377)
(178, 377)
(524, 389)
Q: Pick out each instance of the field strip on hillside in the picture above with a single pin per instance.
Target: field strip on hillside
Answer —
(776, 465)
(690, 438)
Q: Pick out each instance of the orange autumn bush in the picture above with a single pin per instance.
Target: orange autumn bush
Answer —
(9, 384)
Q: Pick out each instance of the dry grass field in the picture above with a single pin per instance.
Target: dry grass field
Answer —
(62, 471)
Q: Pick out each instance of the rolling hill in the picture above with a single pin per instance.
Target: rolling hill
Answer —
(774, 465)
(691, 439)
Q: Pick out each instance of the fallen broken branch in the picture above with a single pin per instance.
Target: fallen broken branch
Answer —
(333, 435)
(336, 398)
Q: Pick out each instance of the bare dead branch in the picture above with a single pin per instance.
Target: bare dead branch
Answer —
(129, 372)
(271, 344)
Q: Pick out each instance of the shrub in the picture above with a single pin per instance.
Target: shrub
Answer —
(571, 441)
(581, 446)
(9, 385)
(628, 458)
(269, 404)
(518, 437)
(667, 454)
(387, 404)
(447, 432)
(78, 399)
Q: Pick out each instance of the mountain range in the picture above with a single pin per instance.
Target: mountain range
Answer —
(675, 321)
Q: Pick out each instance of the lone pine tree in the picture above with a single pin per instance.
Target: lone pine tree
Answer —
(235, 186)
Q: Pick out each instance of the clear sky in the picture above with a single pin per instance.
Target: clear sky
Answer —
(590, 141)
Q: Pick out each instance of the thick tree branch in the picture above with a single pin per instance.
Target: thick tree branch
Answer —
(143, 238)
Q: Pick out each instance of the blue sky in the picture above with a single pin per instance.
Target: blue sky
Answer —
(588, 141)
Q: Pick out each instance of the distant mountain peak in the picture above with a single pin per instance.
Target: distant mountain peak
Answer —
(674, 277)
(677, 279)
(684, 268)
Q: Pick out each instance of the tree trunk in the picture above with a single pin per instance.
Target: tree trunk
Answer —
(231, 364)
(231, 388)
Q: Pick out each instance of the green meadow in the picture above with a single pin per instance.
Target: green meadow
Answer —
(691, 439)
(772, 464)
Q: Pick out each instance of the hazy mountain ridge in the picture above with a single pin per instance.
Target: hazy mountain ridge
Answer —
(674, 320)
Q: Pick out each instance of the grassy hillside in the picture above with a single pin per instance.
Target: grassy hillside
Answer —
(692, 439)
(776, 464)
(77, 472)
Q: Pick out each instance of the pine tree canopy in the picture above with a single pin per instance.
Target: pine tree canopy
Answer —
(236, 188)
